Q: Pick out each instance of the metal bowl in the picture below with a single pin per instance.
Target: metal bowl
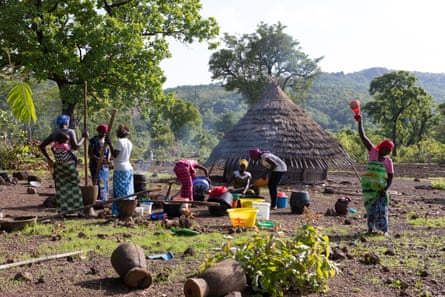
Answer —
(35, 184)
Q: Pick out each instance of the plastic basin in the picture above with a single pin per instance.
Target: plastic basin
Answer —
(243, 217)
(247, 202)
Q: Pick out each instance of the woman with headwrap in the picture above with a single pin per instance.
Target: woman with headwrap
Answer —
(65, 174)
(96, 146)
(123, 184)
(376, 181)
(185, 172)
(276, 167)
(241, 179)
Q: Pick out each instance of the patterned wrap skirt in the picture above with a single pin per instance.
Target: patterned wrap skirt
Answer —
(182, 172)
(123, 185)
(67, 183)
(374, 182)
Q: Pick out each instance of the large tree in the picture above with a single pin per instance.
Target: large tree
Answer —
(116, 46)
(248, 63)
(403, 109)
(185, 119)
(439, 132)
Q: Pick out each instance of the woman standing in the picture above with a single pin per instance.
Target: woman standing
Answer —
(95, 148)
(276, 167)
(123, 170)
(185, 172)
(376, 181)
(65, 174)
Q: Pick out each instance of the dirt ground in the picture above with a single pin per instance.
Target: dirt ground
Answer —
(411, 197)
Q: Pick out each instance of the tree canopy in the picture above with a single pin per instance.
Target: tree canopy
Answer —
(248, 63)
(116, 46)
(403, 109)
(185, 119)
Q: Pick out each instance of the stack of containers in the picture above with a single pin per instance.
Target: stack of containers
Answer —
(282, 200)
(235, 201)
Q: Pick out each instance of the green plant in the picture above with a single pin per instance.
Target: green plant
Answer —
(13, 146)
(275, 265)
(438, 184)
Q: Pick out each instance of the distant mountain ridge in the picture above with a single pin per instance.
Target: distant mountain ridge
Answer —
(327, 102)
(433, 83)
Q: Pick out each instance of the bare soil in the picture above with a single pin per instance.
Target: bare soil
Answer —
(412, 197)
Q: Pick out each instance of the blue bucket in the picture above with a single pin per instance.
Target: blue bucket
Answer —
(282, 202)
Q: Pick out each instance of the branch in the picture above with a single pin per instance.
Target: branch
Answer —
(109, 7)
(32, 261)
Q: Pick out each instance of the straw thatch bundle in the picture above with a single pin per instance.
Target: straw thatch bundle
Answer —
(275, 123)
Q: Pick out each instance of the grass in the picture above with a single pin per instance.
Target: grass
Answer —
(438, 183)
(435, 223)
(418, 250)
(102, 239)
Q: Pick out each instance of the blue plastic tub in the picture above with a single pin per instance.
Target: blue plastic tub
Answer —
(282, 202)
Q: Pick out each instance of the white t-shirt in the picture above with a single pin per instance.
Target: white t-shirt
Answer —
(122, 161)
(280, 165)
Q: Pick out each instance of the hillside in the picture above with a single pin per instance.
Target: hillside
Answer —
(327, 102)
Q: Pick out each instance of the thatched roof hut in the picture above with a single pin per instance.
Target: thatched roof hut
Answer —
(275, 123)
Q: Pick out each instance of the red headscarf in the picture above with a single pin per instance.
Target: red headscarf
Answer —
(385, 144)
(102, 128)
(255, 153)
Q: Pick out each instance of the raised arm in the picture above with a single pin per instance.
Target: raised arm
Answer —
(361, 132)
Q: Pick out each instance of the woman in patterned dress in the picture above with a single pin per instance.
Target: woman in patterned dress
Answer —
(65, 173)
(376, 181)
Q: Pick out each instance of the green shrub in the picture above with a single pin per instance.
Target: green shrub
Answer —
(274, 265)
(438, 184)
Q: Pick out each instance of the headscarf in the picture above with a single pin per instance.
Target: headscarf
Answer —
(244, 162)
(255, 153)
(63, 119)
(123, 130)
(102, 128)
(385, 144)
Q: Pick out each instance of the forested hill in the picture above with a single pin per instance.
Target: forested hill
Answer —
(327, 103)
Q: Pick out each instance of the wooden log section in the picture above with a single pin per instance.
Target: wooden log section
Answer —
(129, 262)
(217, 281)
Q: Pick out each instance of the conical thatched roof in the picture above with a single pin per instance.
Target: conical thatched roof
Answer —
(275, 123)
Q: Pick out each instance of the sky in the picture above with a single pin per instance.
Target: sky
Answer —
(351, 35)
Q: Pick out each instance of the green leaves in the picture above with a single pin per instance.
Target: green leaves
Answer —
(248, 63)
(404, 110)
(275, 265)
(117, 47)
(21, 103)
